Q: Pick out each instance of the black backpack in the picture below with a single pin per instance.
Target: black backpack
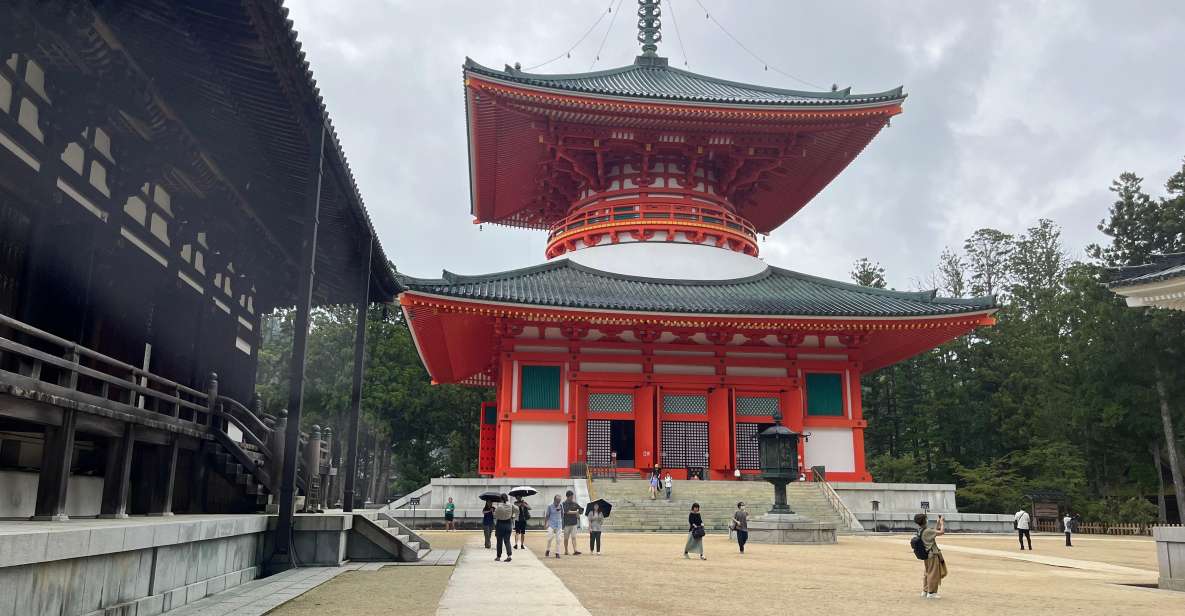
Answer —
(919, 547)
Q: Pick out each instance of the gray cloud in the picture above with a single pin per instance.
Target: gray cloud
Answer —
(1017, 110)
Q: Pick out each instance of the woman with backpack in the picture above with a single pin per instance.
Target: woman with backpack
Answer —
(925, 547)
(520, 523)
(695, 533)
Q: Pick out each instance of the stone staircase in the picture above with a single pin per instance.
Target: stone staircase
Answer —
(380, 538)
(228, 465)
(634, 511)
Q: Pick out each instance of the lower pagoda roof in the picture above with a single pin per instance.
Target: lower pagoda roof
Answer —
(1161, 268)
(774, 292)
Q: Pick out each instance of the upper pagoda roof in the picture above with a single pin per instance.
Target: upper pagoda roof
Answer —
(652, 78)
(1159, 269)
(773, 292)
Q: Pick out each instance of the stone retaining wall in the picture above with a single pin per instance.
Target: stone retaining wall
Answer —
(103, 567)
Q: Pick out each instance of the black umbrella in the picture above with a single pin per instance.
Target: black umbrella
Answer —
(493, 497)
(605, 505)
(523, 491)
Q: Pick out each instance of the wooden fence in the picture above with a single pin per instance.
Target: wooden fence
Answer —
(1099, 528)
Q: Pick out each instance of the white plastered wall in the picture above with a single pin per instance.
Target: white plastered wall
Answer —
(832, 448)
(537, 444)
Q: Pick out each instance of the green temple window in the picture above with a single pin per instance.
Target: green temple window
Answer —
(824, 394)
(540, 388)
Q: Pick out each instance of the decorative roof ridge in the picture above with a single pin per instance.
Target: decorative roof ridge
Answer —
(930, 296)
(447, 277)
(515, 74)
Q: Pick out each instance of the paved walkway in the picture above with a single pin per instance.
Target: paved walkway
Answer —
(263, 595)
(523, 587)
(1053, 561)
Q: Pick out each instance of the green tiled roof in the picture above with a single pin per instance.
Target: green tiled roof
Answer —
(652, 78)
(774, 292)
(1162, 267)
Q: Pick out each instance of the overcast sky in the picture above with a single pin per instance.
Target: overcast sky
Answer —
(1016, 110)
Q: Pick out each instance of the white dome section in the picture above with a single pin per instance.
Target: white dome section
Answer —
(671, 260)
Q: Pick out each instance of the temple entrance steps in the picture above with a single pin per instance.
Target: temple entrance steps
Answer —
(228, 465)
(381, 538)
(634, 511)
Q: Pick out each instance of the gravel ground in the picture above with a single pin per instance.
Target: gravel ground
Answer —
(644, 573)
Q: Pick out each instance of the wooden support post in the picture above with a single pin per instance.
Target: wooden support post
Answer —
(359, 372)
(116, 479)
(300, 338)
(161, 503)
(56, 459)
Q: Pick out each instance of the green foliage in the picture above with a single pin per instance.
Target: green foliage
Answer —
(903, 469)
(424, 430)
(1061, 393)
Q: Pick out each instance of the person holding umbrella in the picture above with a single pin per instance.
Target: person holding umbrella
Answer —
(596, 518)
(524, 514)
(504, 513)
(487, 521)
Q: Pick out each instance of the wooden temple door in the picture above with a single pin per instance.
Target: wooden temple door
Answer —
(487, 440)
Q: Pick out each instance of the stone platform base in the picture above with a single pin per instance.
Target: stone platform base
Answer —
(1170, 552)
(789, 529)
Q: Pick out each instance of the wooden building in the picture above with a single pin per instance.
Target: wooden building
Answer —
(655, 335)
(168, 174)
(1160, 283)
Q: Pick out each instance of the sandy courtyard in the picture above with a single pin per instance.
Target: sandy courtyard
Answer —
(642, 573)
(646, 574)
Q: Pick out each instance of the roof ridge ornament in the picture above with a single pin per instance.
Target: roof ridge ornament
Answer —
(649, 26)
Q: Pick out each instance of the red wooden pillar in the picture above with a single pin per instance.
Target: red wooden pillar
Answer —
(855, 393)
(505, 406)
(577, 422)
(718, 432)
(794, 412)
(645, 426)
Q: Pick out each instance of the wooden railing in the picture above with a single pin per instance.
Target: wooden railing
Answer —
(65, 368)
(36, 360)
(1099, 528)
(600, 469)
(653, 212)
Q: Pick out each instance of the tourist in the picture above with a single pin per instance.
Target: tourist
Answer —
(450, 510)
(520, 522)
(572, 511)
(668, 484)
(1067, 521)
(1021, 523)
(504, 513)
(695, 533)
(935, 564)
(487, 521)
(653, 487)
(740, 524)
(554, 519)
(595, 520)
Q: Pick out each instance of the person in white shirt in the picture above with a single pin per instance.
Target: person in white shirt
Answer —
(1021, 523)
(668, 483)
(1066, 522)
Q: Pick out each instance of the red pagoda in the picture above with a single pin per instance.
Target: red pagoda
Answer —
(654, 334)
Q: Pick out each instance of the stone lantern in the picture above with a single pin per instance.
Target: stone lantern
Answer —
(778, 453)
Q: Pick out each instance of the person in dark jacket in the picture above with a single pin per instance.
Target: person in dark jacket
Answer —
(695, 533)
(487, 521)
